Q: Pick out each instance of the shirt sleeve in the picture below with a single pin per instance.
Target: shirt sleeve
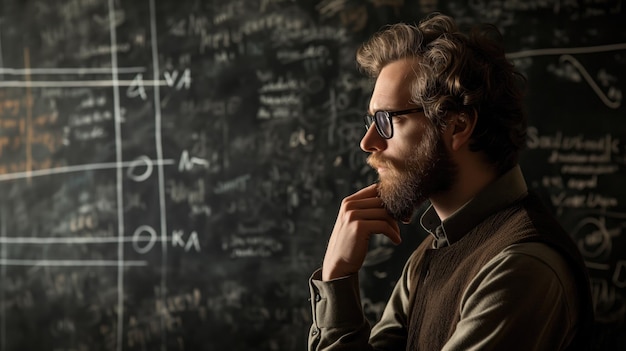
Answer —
(338, 319)
(390, 333)
(523, 299)
(339, 322)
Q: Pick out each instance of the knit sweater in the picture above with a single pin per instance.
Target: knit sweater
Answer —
(498, 274)
(445, 273)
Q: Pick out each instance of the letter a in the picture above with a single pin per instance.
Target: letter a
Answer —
(193, 241)
(185, 80)
(136, 88)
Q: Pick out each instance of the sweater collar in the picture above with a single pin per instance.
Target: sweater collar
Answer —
(505, 190)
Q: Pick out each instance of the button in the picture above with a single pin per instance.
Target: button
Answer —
(317, 297)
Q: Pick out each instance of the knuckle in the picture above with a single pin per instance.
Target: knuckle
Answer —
(350, 216)
(346, 202)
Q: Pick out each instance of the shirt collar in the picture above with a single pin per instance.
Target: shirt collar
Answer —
(505, 190)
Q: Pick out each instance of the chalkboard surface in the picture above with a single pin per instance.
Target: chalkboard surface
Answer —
(170, 171)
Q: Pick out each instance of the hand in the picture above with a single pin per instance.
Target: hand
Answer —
(361, 215)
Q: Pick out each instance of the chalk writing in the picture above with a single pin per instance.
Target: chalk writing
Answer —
(171, 170)
(178, 239)
(237, 184)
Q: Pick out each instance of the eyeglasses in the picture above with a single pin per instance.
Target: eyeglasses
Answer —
(382, 120)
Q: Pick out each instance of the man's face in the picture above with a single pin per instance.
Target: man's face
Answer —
(414, 164)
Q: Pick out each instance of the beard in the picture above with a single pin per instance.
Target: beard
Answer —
(406, 185)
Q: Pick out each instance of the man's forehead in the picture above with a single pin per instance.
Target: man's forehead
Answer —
(392, 88)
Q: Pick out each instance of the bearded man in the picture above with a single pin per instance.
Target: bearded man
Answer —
(497, 272)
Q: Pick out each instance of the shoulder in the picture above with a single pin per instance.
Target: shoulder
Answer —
(534, 260)
(527, 293)
(527, 271)
(537, 259)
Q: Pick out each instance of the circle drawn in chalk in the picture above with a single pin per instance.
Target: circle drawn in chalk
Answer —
(137, 239)
(594, 239)
(139, 162)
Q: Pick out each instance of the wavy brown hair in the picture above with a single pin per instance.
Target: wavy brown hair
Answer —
(460, 73)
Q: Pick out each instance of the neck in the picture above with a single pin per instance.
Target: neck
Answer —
(470, 181)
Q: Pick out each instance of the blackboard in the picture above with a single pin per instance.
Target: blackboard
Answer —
(170, 171)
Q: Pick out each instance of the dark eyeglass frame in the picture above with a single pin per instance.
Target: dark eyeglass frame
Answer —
(380, 117)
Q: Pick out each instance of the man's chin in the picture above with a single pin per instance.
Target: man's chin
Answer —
(404, 213)
(397, 195)
(405, 216)
(401, 210)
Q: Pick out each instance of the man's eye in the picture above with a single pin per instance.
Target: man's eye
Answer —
(399, 118)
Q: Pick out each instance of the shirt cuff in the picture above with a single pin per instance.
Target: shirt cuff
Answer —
(335, 303)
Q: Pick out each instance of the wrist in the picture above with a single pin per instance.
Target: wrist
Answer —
(331, 274)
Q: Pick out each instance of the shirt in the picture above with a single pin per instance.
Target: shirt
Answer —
(338, 321)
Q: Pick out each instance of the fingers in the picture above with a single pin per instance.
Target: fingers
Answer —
(361, 215)
(373, 221)
(366, 211)
(364, 198)
(367, 192)
(391, 231)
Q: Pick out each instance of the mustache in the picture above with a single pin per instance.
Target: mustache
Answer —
(376, 161)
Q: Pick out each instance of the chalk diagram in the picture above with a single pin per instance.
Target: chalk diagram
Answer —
(594, 238)
(144, 237)
(593, 235)
(572, 69)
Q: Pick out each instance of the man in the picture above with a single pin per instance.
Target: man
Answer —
(445, 124)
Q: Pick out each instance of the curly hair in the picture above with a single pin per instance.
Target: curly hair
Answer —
(460, 73)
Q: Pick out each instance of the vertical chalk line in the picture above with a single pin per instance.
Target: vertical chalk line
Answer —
(119, 178)
(3, 255)
(159, 154)
(1, 60)
(29, 115)
(3, 252)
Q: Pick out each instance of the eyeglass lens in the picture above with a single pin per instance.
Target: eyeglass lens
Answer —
(383, 123)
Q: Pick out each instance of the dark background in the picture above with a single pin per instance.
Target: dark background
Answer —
(170, 171)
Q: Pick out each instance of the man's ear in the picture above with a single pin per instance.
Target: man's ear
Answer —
(463, 127)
